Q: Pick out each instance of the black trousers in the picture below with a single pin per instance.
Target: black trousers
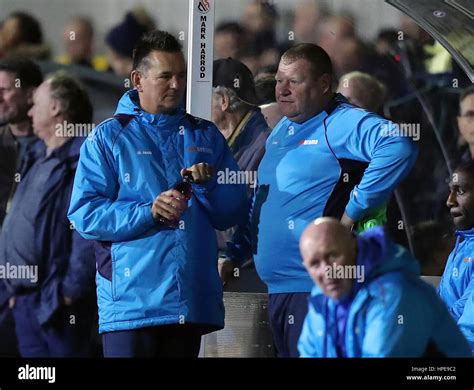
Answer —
(287, 313)
(156, 341)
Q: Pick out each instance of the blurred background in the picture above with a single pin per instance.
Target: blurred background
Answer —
(172, 15)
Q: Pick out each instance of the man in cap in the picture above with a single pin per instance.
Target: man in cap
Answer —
(238, 117)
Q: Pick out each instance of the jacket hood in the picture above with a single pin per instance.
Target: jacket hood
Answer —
(377, 255)
(129, 104)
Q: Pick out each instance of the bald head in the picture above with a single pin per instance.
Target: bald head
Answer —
(323, 232)
(324, 244)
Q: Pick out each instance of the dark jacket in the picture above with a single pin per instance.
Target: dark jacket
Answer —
(12, 151)
(248, 149)
(249, 146)
(65, 261)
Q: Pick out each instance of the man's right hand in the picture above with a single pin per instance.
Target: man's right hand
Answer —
(168, 207)
(11, 302)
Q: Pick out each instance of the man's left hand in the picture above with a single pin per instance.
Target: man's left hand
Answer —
(201, 172)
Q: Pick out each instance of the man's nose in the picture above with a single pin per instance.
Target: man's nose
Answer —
(451, 201)
(174, 84)
(282, 89)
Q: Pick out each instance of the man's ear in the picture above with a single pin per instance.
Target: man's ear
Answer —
(225, 102)
(137, 80)
(55, 108)
(326, 82)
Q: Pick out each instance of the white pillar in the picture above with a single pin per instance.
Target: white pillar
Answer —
(200, 58)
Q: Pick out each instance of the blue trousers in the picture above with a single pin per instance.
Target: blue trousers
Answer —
(156, 341)
(68, 334)
(287, 313)
(8, 343)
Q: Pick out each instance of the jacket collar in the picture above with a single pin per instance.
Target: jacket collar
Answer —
(465, 233)
(129, 104)
(336, 100)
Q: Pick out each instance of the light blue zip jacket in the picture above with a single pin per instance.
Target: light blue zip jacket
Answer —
(148, 274)
(457, 284)
(393, 313)
(342, 159)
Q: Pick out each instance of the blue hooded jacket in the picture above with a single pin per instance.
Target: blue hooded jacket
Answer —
(393, 312)
(456, 288)
(149, 274)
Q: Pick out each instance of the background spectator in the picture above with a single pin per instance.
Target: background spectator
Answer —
(122, 38)
(363, 90)
(79, 45)
(229, 39)
(21, 35)
(54, 311)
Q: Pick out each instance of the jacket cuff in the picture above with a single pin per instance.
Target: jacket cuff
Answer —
(355, 213)
(146, 216)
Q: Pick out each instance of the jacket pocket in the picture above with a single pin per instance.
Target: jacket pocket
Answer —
(115, 270)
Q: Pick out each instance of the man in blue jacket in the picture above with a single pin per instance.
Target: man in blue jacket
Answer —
(157, 281)
(325, 157)
(47, 266)
(456, 288)
(369, 300)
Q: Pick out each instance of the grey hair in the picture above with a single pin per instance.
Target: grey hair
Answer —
(376, 90)
(235, 104)
(73, 97)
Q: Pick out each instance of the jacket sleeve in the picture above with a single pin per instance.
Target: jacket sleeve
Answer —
(239, 248)
(389, 155)
(400, 323)
(226, 203)
(393, 327)
(93, 210)
(307, 345)
(457, 308)
(465, 307)
(79, 279)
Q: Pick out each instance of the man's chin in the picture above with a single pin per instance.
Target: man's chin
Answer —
(462, 224)
(169, 108)
(287, 113)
